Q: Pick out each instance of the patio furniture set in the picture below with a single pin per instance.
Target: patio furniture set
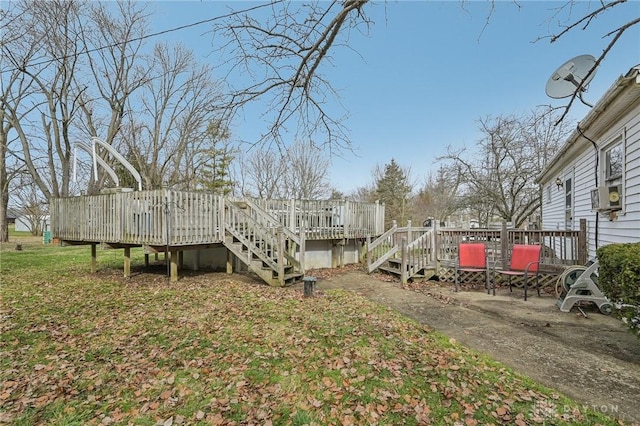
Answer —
(525, 262)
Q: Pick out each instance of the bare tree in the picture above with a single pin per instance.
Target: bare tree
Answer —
(86, 76)
(263, 172)
(175, 108)
(284, 54)
(499, 180)
(31, 203)
(47, 54)
(299, 173)
(306, 172)
(117, 70)
(365, 194)
(79, 60)
(15, 89)
(283, 46)
(438, 198)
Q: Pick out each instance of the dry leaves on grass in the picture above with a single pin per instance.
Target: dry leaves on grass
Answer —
(220, 350)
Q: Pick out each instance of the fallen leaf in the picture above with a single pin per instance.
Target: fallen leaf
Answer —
(501, 411)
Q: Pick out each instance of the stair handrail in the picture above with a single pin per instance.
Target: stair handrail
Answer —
(376, 253)
(291, 239)
(264, 213)
(276, 236)
(412, 262)
(261, 231)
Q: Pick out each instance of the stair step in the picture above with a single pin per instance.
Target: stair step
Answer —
(426, 272)
(394, 271)
(287, 268)
(292, 278)
(259, 255)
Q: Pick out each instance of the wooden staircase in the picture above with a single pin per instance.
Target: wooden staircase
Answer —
(407, 252)
(393, 266)
(267, 248)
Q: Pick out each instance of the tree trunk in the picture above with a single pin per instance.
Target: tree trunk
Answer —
(4, 225)
(4, 192)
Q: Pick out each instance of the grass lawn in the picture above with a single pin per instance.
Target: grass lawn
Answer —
(80, 348)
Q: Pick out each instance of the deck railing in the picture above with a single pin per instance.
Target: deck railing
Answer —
(158, 217)
(413, 245)
(382, 249)
(418, 253)
(163, 216)
(560, 247)
(327, 219)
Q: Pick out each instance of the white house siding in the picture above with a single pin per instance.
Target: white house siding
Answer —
(553, 208)
(25, 223)
(626, 227)
(632, 184)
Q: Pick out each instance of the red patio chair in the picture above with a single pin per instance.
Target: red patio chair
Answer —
(525, 262)
(472, 257)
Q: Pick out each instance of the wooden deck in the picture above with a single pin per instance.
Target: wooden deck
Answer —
(560, 247)
(415, 251)
(327, 219)
(261, 233)
(179, 218)
(152, 218)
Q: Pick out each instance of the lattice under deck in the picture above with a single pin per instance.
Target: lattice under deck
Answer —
(475, 279)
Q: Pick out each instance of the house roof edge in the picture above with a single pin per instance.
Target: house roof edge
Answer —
(590, 120)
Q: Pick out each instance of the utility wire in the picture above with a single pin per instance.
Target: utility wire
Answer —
(182, 27)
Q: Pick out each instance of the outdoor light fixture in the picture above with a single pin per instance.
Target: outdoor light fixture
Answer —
(559, 183)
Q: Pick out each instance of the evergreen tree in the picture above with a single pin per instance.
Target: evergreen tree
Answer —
(215, 173)
(393, 188)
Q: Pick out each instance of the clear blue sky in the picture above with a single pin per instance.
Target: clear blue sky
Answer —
(428, 71)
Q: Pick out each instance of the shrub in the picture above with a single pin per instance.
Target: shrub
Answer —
(619, 279)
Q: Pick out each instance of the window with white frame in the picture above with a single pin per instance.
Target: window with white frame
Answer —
(612, 170)
(613, 162)
(568, 203)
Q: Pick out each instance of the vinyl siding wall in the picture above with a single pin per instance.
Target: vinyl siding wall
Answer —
(626, 227)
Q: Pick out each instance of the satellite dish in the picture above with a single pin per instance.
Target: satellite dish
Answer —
(569, 76)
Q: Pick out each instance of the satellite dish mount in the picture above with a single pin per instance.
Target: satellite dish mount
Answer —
(572, 76)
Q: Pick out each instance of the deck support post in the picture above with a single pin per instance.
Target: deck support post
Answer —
(94, 259)
(504, 244)
(127, 262)
(302, 249)
(334, 255)
(404, 261)
(229, 262)
(146, 260)
(365, 252)
(174, 266)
